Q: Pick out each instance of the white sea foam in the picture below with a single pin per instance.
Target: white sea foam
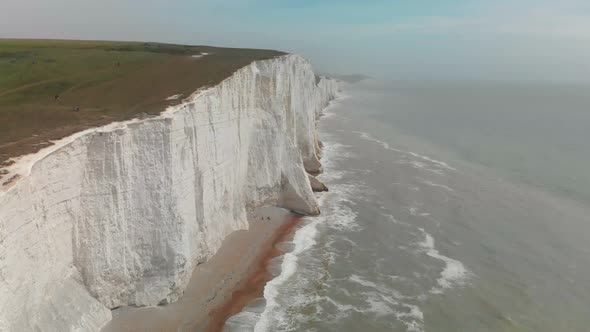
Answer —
(333, 152)
(363, 282)
(383, 301)
(454, 272)
(432, 184)
(413, 319)
(341, 307)
(409, 314)
(340, 216)
(304, 239)
(423, 166)
(414, 210)
(328, 111)
(382, 289)
(385, 145)
(434, 161)
(377, 306)
(392, 218)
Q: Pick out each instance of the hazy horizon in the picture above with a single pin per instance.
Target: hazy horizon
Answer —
(521, 40)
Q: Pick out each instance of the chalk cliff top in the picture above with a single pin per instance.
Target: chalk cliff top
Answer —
(50, 89)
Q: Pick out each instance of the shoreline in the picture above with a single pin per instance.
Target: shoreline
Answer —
(252, 286)
(220, 287)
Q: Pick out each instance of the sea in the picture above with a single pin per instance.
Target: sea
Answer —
(453, 206)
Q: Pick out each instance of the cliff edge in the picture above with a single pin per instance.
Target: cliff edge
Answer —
(121, 214)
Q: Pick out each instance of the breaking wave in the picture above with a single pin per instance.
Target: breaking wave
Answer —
(454, 272)
(417, 164)
(339, 217)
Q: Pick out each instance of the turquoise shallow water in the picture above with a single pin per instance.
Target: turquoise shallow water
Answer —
(452, 207)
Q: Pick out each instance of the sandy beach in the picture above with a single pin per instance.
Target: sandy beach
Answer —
(220, 287)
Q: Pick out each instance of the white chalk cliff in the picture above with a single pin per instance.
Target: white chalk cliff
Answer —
(121, 214)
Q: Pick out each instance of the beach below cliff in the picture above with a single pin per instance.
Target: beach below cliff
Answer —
(220, 287)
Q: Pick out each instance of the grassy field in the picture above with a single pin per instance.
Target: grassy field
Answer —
(42, 82)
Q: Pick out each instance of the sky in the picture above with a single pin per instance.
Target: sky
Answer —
(512, 40)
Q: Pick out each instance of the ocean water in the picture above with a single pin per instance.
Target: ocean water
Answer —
(452, 207)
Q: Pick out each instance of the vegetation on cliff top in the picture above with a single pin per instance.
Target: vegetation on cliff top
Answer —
(52, 88)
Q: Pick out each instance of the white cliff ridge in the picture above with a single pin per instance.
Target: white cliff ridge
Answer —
(121, 214)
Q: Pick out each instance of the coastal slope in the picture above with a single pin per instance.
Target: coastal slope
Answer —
(121, 214)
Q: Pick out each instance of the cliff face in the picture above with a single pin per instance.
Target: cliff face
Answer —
(121, 214)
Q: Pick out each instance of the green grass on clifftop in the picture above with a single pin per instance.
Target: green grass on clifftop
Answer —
(107, 81)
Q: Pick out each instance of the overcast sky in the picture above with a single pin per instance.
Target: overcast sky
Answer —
(403, 39)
